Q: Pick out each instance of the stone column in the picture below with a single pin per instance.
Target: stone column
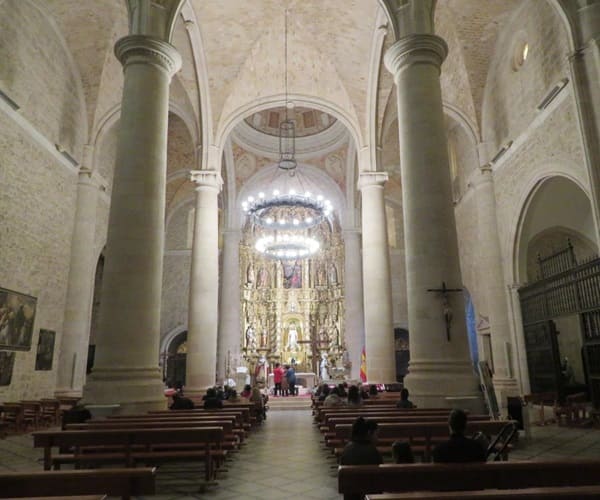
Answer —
(229, 305)
(80, 288)
(126, 370)
(439, 367)
(379, 330)
(585, 72)
(353, 293)
(491, 273)
(519, 337)
(203, 314)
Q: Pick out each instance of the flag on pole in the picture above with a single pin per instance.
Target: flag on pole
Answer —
(363, 365)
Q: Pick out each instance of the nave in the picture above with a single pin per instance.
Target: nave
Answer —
(284, 458)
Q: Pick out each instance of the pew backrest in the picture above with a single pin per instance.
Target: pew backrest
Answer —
(364, 479)
(123, 483)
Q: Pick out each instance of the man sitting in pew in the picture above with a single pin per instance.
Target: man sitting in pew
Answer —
(458, 448)
(362, 449)
(181, 403)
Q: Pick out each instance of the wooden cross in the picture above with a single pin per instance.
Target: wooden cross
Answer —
(446, 303)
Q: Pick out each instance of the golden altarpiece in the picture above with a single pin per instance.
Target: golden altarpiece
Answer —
(292, 310)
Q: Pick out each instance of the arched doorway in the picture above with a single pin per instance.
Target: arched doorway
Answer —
(174, 360)
(559, 307)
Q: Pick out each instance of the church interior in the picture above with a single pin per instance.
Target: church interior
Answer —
(390, 192)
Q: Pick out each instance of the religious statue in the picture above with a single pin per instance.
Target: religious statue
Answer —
(324, 367)
(263, 337)
(292, 344)
(323, 337)
(260, 369)
(250, 338)
(321, 275)
(263, 278)
(250, 275)
(333, 277)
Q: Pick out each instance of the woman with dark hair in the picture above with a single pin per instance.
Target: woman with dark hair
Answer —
(354, 398)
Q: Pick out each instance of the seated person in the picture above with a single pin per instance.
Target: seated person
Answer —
(354, 398)
(181, 403)
(373, 392)
(258, 399)
(247, 392)
(404, 401)
(333, 399)
(342, 392)
(402, 453)
(458, 448)
(362, 450)
(211, 400)
(324, 392)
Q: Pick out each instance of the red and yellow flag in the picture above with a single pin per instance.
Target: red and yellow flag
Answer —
(363, 365)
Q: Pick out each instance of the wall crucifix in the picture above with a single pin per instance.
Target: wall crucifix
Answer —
(448, 314)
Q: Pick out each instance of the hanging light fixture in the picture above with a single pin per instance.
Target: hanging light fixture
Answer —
(289, 211)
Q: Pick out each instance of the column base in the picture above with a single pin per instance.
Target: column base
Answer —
(443, 384)
(505, 387)
(68, 392)
(135, 390)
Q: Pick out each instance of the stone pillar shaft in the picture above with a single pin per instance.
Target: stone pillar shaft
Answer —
(128, 343)
(379, 330)
(490, 258)
(429, 227)
(229, 305)
(353, 292)
(76, 330)
(201, 362)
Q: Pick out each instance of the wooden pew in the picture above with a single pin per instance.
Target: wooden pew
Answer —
(356, 480)
(231, 440)
(421, 435)
(123, 483)
(325, 413)
(128, 446)
(544, 493)
(330, 435)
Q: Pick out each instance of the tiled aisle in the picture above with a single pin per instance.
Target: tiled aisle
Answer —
(284, 459)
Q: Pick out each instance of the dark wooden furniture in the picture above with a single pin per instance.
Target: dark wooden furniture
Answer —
(132, 446)
(367, 479)
(123, 483)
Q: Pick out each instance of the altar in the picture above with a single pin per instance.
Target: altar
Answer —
(305, 379)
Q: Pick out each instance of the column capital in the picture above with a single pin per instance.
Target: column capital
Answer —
(483, 175)
(206, 179)
(142, 49)
(372, 179)
(415, 49)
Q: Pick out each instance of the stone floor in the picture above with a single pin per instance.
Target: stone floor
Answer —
(285, 459)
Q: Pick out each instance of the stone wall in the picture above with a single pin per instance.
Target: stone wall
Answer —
(176, 272)
(37, 73)
(512, 93)
(37, 207)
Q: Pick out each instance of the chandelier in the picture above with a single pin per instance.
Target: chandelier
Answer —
(287, 213)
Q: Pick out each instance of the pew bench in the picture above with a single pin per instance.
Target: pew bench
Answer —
(231, 440)
(123, 483)
(354, 480)
(422, 436)
(544, 493)
(131, 446)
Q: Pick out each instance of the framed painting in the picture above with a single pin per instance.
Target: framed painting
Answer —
(45, 350)
(17, 315)
(7, 362)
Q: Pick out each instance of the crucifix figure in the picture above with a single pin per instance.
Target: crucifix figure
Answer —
(448, 314)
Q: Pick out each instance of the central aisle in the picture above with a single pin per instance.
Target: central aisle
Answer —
(281, 459)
